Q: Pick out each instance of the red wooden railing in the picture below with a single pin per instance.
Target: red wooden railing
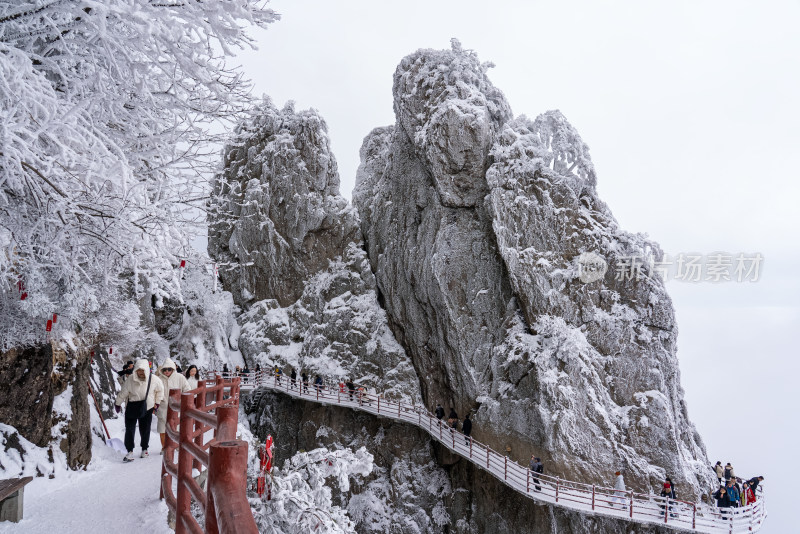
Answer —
(189, 419)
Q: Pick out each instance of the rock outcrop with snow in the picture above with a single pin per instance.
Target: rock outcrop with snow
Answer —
(486, 279)
(291, 252)
(476, 224)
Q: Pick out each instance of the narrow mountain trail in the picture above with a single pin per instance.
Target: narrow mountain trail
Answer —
(109, 497)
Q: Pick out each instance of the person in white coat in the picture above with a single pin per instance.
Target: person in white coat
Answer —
(171, 379)
(142, 395)
(619, 494)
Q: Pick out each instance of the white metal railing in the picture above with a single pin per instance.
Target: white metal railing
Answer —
(589, 498)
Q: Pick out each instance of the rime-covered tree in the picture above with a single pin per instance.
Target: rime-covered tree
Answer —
(302, 499)
(105, 117)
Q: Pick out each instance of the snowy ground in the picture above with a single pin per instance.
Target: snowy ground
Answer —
(110, 496)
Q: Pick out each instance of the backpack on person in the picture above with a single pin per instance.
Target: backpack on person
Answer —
(727, 473)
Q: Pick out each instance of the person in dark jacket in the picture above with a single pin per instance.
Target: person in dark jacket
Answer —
(318, 385)
(754, 484)
(466, 427)
(668, 492)
(304, 378)
(536, 468)
(225, 370)
(723, 501)
(351, 388)
(125, 372)
(293, 378)
(728, 472)
(439, 411)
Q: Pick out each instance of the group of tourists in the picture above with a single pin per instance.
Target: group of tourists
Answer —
(734, 492)
(145, 396)
(453, 421)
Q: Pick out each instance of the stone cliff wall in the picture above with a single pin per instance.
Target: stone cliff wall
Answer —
(478, 227)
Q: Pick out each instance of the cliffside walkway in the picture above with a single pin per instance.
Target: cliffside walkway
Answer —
(586, 498)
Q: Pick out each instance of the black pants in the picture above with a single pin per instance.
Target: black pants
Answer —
(144, 430)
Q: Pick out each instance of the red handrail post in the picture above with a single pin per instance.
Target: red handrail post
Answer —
(379, 403)
(694, 515)
(227, 472)
(470, 448)
(227, 422)
(200, 403)
(631, 503)
(593, 496)
(558, 483)
(487, 458)
(528, 481)
(184, 498)
(505, 468)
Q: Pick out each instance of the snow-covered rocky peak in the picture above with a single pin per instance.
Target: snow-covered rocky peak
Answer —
(277, 215)
(291, 252)
(450, 111)
(498, 265)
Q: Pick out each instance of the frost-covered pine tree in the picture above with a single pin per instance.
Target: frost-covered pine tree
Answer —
(105, 116)
(302, 500)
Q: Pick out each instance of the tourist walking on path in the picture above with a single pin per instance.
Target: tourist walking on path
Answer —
(439, 411)
(304, 377)
(619, 486)
(728, 472)
(171, 379)
(754, 484)
(452, 420)
(723, 501)
(536, 468)
(466, 427)
(318, 385)
(351, 388)
(192, 376)
(668, 492)
(720, 471)
(293, 378)
(141, 396)
(733, 493)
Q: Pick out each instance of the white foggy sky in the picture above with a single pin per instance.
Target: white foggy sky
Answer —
(691, 113)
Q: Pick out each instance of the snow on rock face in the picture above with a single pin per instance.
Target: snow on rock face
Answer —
(277, 217)
(480, 268)
(448, 109)
(405, 493)
(293, 257)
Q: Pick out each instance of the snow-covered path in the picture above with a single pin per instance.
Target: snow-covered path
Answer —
(109, 497)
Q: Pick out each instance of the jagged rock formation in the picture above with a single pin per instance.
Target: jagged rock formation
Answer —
(475, 225)
(292, 255)
(277, 216)
(495, 289)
